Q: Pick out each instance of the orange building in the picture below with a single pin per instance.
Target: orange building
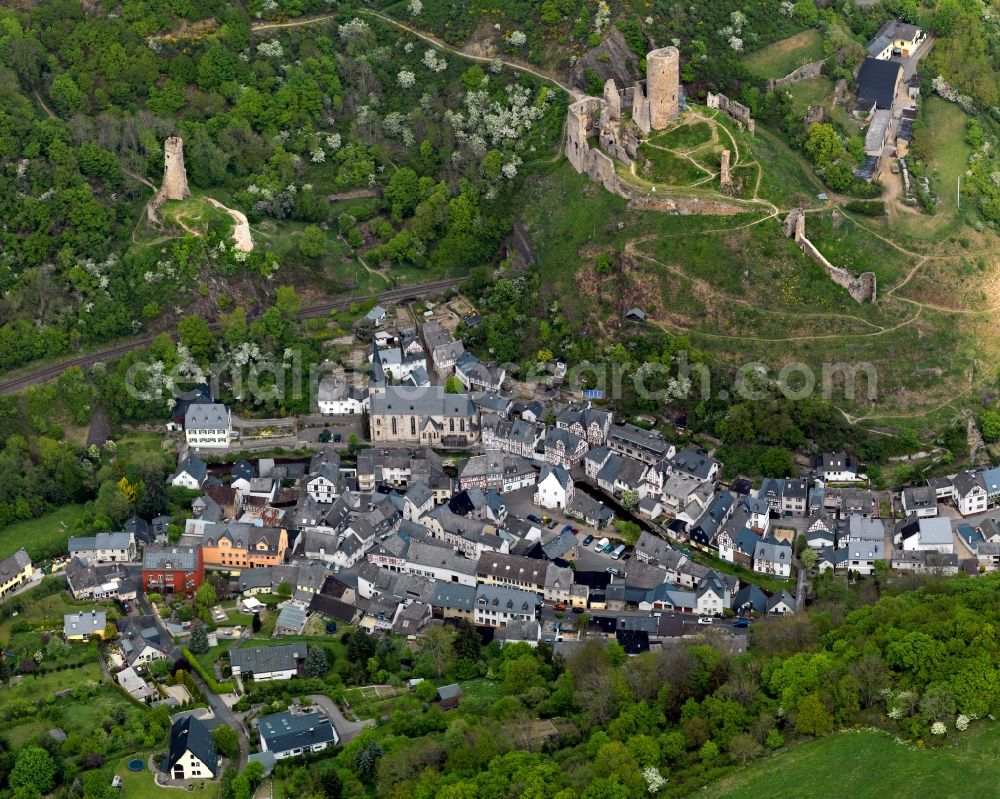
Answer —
(235, 546)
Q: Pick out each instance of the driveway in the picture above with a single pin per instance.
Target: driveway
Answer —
(346, 730)
(220, 709)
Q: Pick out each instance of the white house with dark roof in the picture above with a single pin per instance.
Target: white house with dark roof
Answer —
(208, 425)
(555, 488)
(191, 754)
(192, 473)
(969, 493)
(291, 735)
(771, 556)
(497, 606)
(839, 467)
(919, 501)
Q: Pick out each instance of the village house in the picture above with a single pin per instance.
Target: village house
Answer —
(135, 686)
(771, 556)
(878, 85)
(647, 446)
(563, 448)
(498, 606)
(290, 735)
(80, 626)
(969, 493)
(590, 424)
(497, 471)
(839, 467)
(191, 754)
(512, 571)
(268, 663)
(442, 346)
(453, 601)
(590, 511)
(89, 582)
(555, 488)
(919, 501)
(15, 571)
(925, 535)
(234, 546)
(895, 39)
(513, 436)
(173, 570)
(192, 473)
(208, 425)
(104, 548)
(478, 376)
(339, 397)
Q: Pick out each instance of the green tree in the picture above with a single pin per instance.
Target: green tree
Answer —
(284, 589)
(34, 769)
(628, 531)
(255, 623)
(330, 784)
(205, 595)
(317, 661)
(312, 242)
(809, 558)
(194, 333)
(160, 669)
(629, 500)
(403, 193)
(199, 638)
(227, 742)
(990, 426)
(287, 302)
(776, 462)
(438, 646)
(709, 751)
(811, 717)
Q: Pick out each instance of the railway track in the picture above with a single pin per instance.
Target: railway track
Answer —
(43, 374)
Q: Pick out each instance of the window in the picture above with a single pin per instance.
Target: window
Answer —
(394, 425)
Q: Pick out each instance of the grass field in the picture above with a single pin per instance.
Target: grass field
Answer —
(39, 536)
(660, 166)
(949, 150)
(784, 56)
(196, 215)
(870, 764)
(684, 137)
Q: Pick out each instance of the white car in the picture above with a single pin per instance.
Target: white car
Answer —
(705, 620)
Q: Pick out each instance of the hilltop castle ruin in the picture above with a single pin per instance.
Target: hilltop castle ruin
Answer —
(654, 104)
(175, 183)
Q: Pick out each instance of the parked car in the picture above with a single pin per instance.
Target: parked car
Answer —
(552, 525)
(626, 556)
(600, 545)
(567, 529)
(546, 519)
(534, 519)
(741, 623)
(588, 540)
(608, 548)
(560, 606)
(613, 570)
(337, 438)
(705, 620)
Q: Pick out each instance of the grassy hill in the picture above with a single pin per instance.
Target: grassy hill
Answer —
(870, 764)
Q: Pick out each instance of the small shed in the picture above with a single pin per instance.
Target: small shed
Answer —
(635, 315)
(449, 696)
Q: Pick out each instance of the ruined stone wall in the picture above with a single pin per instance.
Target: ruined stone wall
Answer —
(861, 288)
(640, 109)
(805, 72)
(725, 176)
(613, 100)
(663, 86)
(736, 110)
(175, 184)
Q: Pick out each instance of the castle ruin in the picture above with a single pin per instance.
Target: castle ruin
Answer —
(861, 288)
(654, 104)
(175, 184)
(736, 110)
(725, 176)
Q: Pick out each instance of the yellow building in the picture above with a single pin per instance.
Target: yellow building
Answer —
(15, 571)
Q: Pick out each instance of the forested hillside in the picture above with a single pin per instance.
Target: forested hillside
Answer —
(279, 121)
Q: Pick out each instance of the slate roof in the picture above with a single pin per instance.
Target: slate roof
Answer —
(206, 416)
(191, 734)
(264, 659)
(14, 565)
(877, 81)
(454, 596)
(282, 732)
(170, 558)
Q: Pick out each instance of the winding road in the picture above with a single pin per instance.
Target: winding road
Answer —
(430, 39)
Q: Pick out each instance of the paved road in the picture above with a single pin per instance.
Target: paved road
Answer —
(218, 706)
(345, 729)
(40, 374)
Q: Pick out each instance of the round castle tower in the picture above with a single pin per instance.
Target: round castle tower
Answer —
(663, 68)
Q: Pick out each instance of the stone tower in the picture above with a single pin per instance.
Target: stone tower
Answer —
(663, 84)
(175, 184)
